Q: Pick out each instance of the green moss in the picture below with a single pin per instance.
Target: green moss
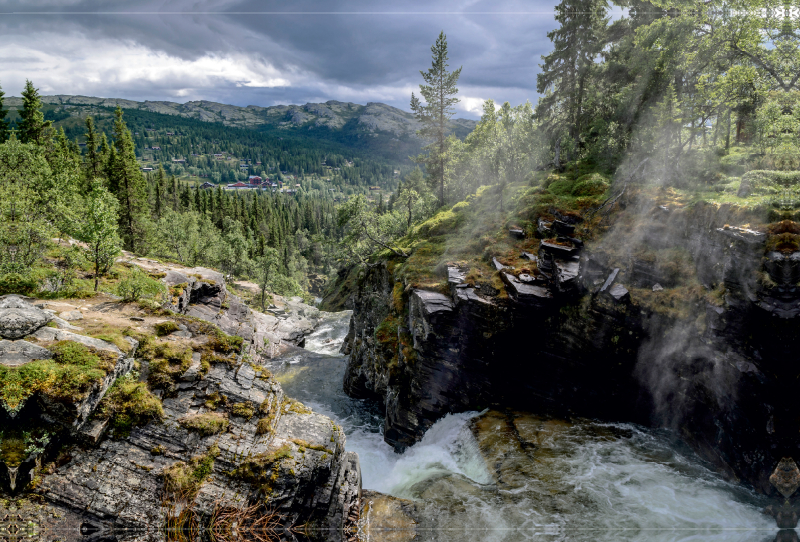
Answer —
(129, 403)
(165, 328)
(245, 410)
(209, 423)
(167, 364)
(305, 444)
(215, 400)
(398, 303)
(291, 405)
(184, 480)
(178, 289)
(261, 469)
(221, 342)
(386, 332)
(68, 378)
(264, 426)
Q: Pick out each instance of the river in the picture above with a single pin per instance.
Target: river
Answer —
(582, 480)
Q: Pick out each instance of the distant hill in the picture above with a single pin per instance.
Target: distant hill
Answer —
(374, 127)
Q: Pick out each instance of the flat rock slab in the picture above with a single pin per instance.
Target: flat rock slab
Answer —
(69, 316)
(16, 353)
(19, 318)
(526, 292)
(52, 334)
(433, 302)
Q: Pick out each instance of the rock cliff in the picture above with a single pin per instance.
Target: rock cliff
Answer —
(672, 319)
(199, 429)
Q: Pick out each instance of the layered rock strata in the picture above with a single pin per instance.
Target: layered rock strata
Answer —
(685, 322)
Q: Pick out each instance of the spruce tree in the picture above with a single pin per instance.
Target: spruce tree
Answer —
(565, 72)
(127, 183)
(32, 128)
(439, 94)
(5, 131)
(93, 161)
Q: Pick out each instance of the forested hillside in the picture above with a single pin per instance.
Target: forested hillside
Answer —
(349, 146)
(99, 196)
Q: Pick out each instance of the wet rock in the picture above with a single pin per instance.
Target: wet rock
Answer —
(619, 293)
(609, 280)
(562, 228)
(455, 275)
(431, 303)
(557, 251)
(499, 266)
(544, 227)
(526, 292)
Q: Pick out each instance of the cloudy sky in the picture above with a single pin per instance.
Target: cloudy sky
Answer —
(265, 52)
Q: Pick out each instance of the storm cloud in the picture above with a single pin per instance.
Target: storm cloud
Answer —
(265, 53)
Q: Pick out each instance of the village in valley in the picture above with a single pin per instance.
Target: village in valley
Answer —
(250, 174)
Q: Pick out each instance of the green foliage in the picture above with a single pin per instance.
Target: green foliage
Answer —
(439, 93)
(126, 181)
(4, 126)
(98, 229)
(138, 285)
(129, 403)
(32, 126)
(73, 372)
(184, 480)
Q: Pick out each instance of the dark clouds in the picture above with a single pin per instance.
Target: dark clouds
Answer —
(267, 52)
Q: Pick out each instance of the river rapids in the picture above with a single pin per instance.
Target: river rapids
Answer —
(542, 479)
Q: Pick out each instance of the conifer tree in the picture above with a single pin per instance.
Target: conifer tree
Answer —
(127, 183)
(566, 71)
(94, 163)
(4, 128)
(439, 94)
(32, 128)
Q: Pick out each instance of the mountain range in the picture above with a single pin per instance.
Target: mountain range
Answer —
(373, 118)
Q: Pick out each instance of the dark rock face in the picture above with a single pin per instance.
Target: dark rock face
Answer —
(721, 371)
(467, 351)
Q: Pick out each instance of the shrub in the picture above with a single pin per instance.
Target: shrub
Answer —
(14, 283)
(138, 284)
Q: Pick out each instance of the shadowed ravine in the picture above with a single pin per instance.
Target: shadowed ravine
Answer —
(505, 476)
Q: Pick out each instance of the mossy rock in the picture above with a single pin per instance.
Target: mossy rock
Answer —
(165, 328)
(209, 423)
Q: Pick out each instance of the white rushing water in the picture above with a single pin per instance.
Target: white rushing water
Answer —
(585, 481)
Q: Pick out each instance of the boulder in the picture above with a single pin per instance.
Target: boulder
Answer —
(18, 318)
